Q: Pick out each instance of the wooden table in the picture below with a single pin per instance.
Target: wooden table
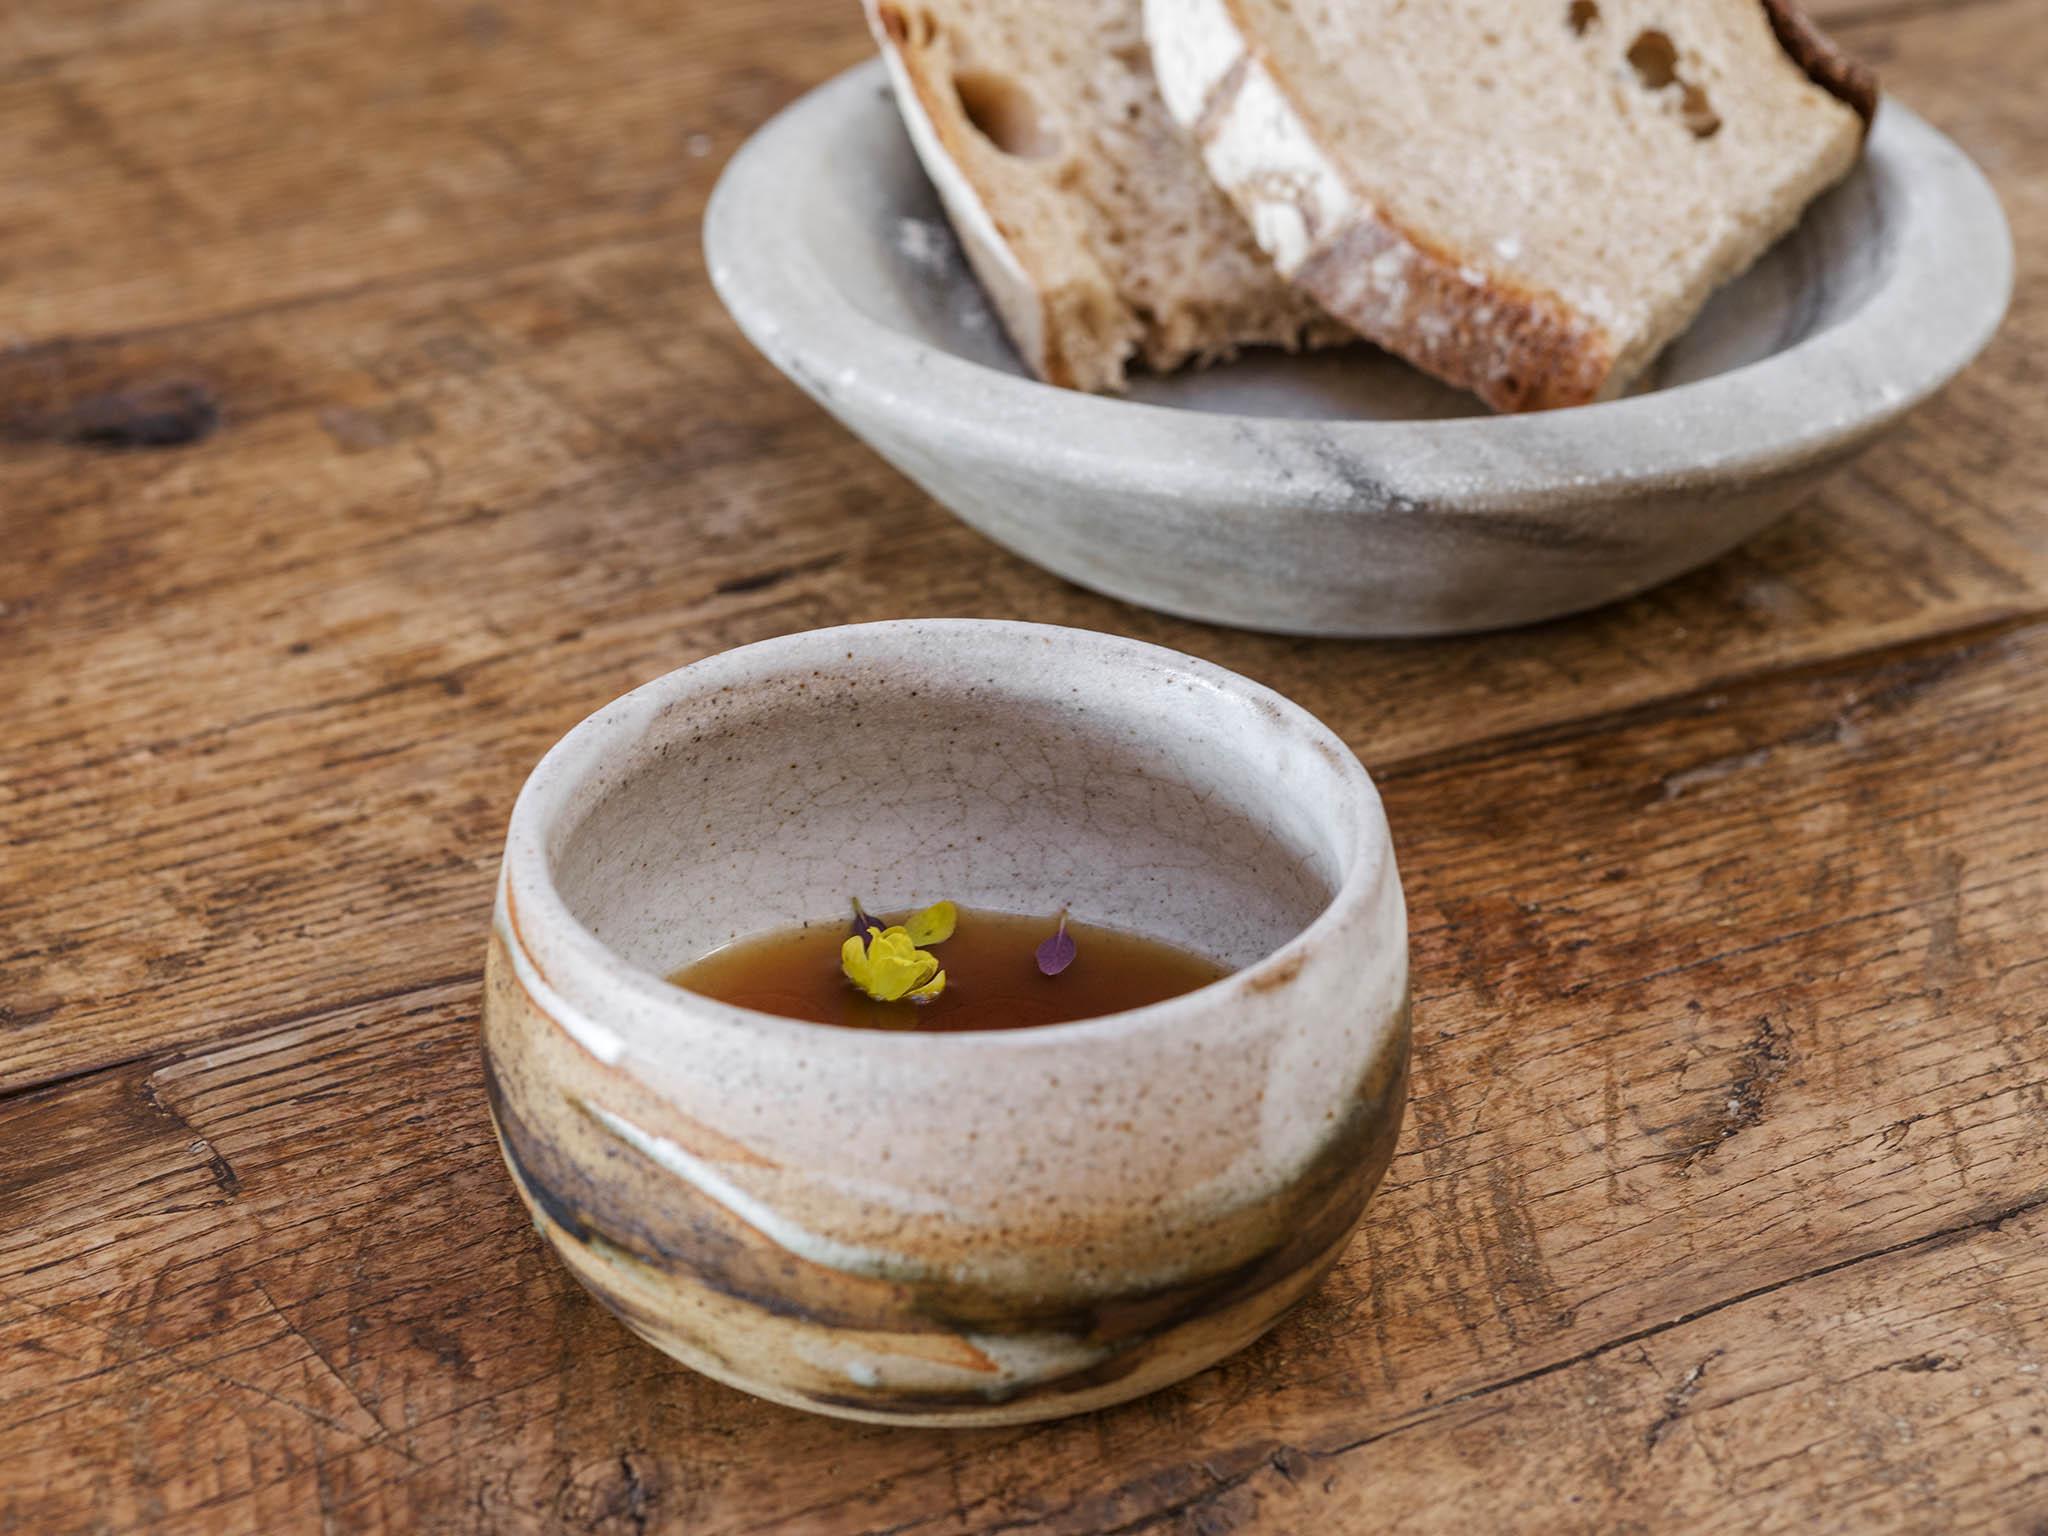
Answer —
(366, 419)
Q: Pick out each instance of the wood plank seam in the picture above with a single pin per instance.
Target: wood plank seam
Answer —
(251, 1033)
(213, 1165)
(388, 283)
(1283, 1457)
(1938, 648)
(1932, 653)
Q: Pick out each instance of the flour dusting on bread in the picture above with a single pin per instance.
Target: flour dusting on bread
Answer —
(1527, 198)
(1081, 206)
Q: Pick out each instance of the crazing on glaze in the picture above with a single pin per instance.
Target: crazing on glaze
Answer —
(975, 1228)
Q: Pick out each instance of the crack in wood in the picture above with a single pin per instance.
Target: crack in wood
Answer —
(224, 1176)
(761, 581)
(1219, 1486)
(158, 413)
(1919, 1364)
(251, 1031)
(1988, 1222)
(661, 234)
(411, 1218)
(384, 1431)
(1765, 1056)
(1677, 1400)
(1672, 785)
(1963, 642)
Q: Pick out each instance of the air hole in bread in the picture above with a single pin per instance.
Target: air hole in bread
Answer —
(927, 28)
(1581, 16)
(895, 23)
(1654, 58)
(1004, 114)
(1698, 113)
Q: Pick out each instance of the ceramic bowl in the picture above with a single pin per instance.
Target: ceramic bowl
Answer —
(1346, 494)
(963, 1228)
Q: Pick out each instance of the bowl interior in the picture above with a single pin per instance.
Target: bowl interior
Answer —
(1019, 774)
(893, 257)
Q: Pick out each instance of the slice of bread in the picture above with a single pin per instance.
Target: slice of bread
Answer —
(1082, 208)
(1526, 198)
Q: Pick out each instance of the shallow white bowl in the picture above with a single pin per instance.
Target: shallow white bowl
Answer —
(1347, 494)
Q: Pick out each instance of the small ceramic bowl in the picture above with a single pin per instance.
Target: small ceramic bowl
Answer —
(1345, 493)
(974, 1228)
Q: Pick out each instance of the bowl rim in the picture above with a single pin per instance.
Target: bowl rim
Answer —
(558, 957)
(1947, 279)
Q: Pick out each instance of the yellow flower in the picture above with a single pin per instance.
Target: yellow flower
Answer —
(888, 965)
(934, 925)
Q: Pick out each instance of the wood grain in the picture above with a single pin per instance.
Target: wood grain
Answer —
(353, 706)
(365, 420)
(1653, 1098)
(283, 151)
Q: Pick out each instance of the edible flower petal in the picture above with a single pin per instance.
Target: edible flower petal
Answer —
(934, 925)
(887, 965)
(1057, 952)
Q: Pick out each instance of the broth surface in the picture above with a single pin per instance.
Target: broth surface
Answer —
(992, 975)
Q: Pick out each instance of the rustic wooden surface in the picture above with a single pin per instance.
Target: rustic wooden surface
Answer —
(366, 419)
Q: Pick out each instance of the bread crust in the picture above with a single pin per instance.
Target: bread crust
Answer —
(1825, 64)
(1076, 318)
(1517, 347)
(932, 118)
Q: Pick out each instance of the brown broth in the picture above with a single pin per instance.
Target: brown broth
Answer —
(992, 976)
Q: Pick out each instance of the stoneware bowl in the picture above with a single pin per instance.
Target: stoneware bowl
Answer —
(974, 1228)
(1346, 494)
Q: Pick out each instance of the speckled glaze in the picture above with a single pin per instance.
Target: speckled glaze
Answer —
(1344, 493)
(964, 1228)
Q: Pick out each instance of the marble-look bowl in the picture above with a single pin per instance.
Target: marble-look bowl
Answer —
(965, 1228)
(1347, 494)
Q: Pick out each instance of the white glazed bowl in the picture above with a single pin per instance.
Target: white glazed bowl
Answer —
(969, 1228)
(1345, 493)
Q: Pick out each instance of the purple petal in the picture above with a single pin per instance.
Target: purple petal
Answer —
(1057, 952)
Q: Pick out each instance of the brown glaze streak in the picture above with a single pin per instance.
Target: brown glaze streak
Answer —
(710, 1245)
(682, 1236)
(1328, 1203)
(519, 939)
(690, 1241)
(697, 1251)
(1278, 976)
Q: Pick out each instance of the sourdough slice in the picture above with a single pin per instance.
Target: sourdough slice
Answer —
(1526, 198)
(1084, 211)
